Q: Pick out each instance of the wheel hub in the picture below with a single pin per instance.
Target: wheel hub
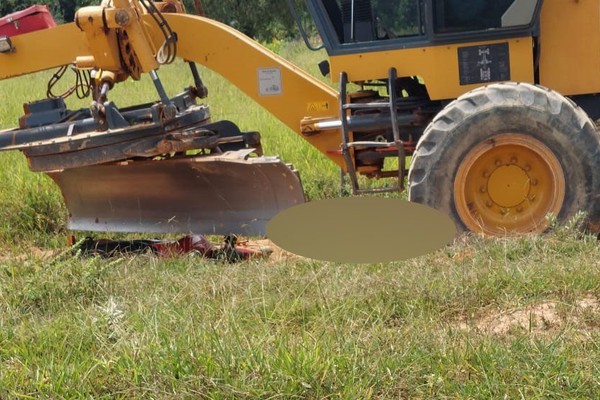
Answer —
(508, 184)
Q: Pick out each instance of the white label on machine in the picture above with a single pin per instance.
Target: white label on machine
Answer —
(269, 81)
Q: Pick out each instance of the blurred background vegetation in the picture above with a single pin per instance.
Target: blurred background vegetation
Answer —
(260, 19)
(263, 20)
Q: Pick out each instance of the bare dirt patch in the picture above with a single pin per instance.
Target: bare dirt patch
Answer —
(536, 319)
(32, 253)
(589, 303)
(276, 253)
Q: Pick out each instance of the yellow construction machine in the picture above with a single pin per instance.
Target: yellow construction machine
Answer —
(468, 90)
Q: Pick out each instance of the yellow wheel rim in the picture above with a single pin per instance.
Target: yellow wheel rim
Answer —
(508, 185)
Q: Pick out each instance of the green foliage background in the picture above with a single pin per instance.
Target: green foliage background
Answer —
(264, 20)
(261, 19)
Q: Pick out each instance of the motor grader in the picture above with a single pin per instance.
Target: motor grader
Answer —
(467, 91)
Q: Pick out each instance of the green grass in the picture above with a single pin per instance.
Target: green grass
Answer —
(139, 327)
(499, 318)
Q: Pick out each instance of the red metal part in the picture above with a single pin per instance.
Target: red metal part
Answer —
(187, 244)
(229, 251)
(408, 147)
(31, 19)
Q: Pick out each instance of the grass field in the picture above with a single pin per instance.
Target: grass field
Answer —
(505, 318)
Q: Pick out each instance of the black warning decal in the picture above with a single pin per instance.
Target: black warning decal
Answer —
(484, 64)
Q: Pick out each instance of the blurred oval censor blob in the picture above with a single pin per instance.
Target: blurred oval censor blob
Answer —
(361, 230)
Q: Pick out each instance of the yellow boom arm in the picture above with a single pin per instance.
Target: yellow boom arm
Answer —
(284, 90)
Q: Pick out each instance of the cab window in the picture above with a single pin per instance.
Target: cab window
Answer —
(368, 20)
(451, 16)
(397, 18)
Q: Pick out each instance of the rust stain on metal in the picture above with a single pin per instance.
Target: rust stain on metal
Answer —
(205, 195)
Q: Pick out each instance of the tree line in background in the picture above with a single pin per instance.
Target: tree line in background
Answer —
(264, 20)
(260, 19)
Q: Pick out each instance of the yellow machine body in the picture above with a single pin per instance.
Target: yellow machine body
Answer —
(570, 56)
(563, 24)
(425, 62)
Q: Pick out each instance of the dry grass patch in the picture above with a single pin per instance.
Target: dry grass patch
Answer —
(276, 253)
(549, 317)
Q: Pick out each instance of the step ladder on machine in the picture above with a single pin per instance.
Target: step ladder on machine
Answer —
(348, 145)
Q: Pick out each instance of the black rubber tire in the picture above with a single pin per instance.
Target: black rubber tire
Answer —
(519, 108)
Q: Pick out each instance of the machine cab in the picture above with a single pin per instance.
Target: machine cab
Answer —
(453, 46)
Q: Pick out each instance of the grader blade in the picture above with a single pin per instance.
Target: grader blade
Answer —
(223, 194)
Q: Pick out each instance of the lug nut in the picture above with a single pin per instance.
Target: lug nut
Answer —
(519, 209)
(482, 189)
(486, 174)
(534, 182)
(498, 163)
(513, 160)
(489, 203)
(527, 168)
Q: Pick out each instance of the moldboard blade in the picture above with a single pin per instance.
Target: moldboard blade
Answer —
(221, 194)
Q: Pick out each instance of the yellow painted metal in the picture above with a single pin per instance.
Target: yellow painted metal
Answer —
(90, 45)
(102, 42)
(42, 50)
(100, 25)
(570, 46)
(143, 48)
(509, 185)
(172, 6)
(283, 89)
(436, 65)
